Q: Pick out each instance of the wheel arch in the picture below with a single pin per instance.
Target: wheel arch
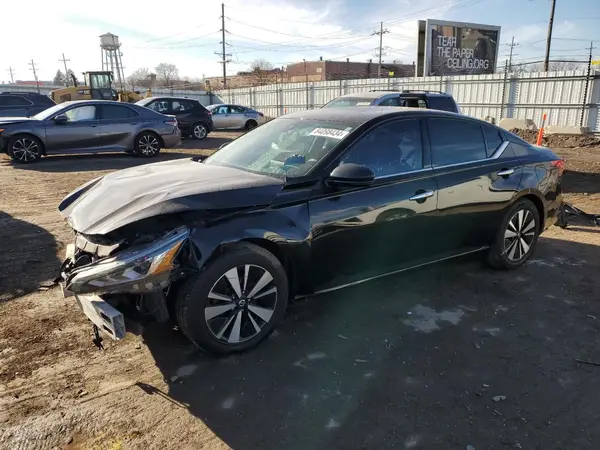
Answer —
(149, 130)
(26, 133)
(537, 199)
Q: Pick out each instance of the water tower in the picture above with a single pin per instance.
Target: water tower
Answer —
(111, 56)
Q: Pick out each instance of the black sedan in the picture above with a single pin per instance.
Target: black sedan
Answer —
(88, 126)
(309, 202)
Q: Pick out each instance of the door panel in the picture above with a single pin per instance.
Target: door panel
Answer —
(369, 231)
(220, 117)
(372, 231)
(474, 188)
(81, 133)
(118, 126)
(237, 118)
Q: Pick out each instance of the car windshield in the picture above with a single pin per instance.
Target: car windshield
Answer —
(349, 101)
(283, 147)
(48, 112)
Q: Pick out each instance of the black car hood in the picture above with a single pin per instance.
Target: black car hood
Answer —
(13, 120)
(120, 198)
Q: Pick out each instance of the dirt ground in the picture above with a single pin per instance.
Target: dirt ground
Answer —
(445, 357)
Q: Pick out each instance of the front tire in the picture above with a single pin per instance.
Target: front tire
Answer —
(517, 236)
(147, 145)
(235, 302)
(25, 149)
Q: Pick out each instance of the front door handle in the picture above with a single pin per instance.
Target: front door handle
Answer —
(421, 196)
(505, 172)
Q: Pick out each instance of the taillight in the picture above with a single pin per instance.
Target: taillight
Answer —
(560, 165)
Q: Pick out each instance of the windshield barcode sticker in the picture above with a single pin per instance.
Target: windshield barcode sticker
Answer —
(330, 133)
(363, 104)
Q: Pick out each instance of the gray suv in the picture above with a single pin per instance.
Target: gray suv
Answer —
(412, 99)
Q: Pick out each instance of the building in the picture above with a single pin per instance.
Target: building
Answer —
(344, 70)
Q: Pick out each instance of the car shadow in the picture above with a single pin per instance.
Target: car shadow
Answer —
(210, 143)
(409, 361)
(581, 182)
(28, 260)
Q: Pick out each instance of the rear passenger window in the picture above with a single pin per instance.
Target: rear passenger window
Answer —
(393, 101)
(14, 100)
(117, 112)
(493, 139)
(442, 103)
(455, 141)
(520, 150)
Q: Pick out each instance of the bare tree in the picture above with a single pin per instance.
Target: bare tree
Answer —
(554, 66)
(139, 78)
(167, 73)
(261, 72)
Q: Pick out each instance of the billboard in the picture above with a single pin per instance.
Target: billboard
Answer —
(456, 48)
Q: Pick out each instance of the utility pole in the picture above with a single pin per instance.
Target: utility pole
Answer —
(513, 44)
(381, 32)
(64, 61)
(12, 79)
(587, 83)
(549, 38)
(223, 55)
(32, 64)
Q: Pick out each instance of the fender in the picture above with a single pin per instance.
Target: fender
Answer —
(288, 232)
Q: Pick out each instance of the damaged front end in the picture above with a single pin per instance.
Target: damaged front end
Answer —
(108, 277)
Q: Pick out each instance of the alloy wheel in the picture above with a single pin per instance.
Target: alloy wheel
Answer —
(25, 150)
(519, 235)
(199, 131)
(241, 303)
(148, 145)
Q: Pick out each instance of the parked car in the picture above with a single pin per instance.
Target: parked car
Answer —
(193, 118)
(412, 99)
(23, 104)
(235, 117)
(310, 202)
(88, 126)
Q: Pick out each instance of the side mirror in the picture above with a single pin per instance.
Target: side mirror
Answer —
(351, 175)
(61, 118)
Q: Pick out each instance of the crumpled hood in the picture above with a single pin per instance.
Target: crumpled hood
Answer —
(126, 196)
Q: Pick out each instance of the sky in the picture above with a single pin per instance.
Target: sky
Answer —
(186, 33)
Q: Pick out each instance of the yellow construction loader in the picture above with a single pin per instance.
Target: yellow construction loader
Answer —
(97, 86)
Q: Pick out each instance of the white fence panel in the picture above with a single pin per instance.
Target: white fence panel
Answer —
(524, 96)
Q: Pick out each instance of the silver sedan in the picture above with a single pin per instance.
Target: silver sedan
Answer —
(235, 117)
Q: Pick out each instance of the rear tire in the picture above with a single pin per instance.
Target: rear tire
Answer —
(25, 149)
(517, 236)
(250, 125)
(235, 302)
(147, 144)
(199, 131)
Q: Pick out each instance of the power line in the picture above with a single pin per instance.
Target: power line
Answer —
(32, 64)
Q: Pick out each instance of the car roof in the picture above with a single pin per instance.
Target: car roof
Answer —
(33, 94)
(380, 93)
(358, 115)
(168, 98)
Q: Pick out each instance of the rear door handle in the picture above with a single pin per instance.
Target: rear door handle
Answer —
(421, 196)
(505, 172)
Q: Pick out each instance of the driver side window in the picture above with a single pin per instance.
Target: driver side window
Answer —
(391, 149)
(80, 113)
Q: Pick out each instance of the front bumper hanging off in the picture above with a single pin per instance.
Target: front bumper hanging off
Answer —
(99, 312)
(570, 211)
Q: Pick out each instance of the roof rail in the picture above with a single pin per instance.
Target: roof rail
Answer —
(408, 91)
(19, 92)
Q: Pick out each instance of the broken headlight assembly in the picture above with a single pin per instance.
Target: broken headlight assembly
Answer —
(139, 269)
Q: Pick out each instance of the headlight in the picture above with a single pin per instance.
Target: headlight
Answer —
(140, 269)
